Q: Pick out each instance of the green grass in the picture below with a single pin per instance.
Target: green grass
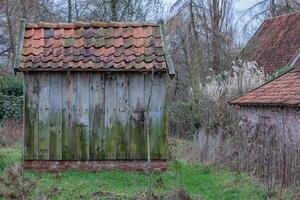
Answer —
(9, 156)
(199, 181)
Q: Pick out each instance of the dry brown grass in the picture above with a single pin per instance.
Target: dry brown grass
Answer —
(14, 185)
(11, 133)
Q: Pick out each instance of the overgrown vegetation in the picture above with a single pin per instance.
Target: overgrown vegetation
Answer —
(266, 152)
(11, 109)
(11, 97)
(11, 85)
(216, 141)
(271, 154)
(214, 113)
(11, 133)
(181, 180)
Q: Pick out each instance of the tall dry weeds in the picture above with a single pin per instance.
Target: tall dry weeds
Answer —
(263, 150)
(14, 185)
(217, 138)
(11, 133)
(271, 154)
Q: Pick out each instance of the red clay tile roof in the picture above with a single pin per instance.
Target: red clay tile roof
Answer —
(282, 91)
(95, 45)
(275, 42)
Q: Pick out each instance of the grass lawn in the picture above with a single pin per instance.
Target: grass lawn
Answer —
(200, 182)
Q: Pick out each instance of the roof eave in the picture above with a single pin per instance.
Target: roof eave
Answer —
(89, 69)
(266, 104)
(171, 69)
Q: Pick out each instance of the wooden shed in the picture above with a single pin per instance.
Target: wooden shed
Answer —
(89, 90)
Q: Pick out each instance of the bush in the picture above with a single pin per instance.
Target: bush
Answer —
(11, 99)
(11, 106)
(180, 118)
(11, 85)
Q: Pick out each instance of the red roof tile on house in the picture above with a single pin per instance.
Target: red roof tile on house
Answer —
(275, 42)
(282, 91)
(95, 45)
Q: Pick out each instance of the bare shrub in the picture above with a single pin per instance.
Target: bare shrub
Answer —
(271, 154)
(11, 133)
(179, 194)
(14, 185)
(207, 149)
(215, 141)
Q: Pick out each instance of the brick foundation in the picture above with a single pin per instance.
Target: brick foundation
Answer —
(104, 165)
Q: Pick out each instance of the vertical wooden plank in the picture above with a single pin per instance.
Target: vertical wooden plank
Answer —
(31, 98)
(110, 105)
(163, 134)
(44, 135)
(69, 116)
(96, 116)
(154, 113)
(122, 116)
(28, 145)
(55, 115)
(137, 145)
(82, 127)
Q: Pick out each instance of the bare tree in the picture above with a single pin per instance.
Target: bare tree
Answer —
(211, 22)
(69, 11)
(9, 8)
(117, 10)
(201, 36)
(10, 14)
(270, 8)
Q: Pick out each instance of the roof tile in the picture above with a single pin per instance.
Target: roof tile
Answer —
(284, 90)
(92, 45)
(275, 42)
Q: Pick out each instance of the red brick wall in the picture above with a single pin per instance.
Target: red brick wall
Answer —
(58, 166)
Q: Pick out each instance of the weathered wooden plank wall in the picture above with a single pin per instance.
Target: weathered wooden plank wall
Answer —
(93, 115)
(55, 120)
(69, 88)
(43, 122)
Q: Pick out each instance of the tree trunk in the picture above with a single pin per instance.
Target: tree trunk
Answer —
(24, 9)
(216, 62)
(11, 37)
(69, 11)
(273, 8)
(114, 10)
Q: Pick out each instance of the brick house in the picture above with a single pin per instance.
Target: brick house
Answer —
(276, 44)
(276, 102)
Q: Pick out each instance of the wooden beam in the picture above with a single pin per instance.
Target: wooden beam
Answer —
(170, 65)
(88, 70)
